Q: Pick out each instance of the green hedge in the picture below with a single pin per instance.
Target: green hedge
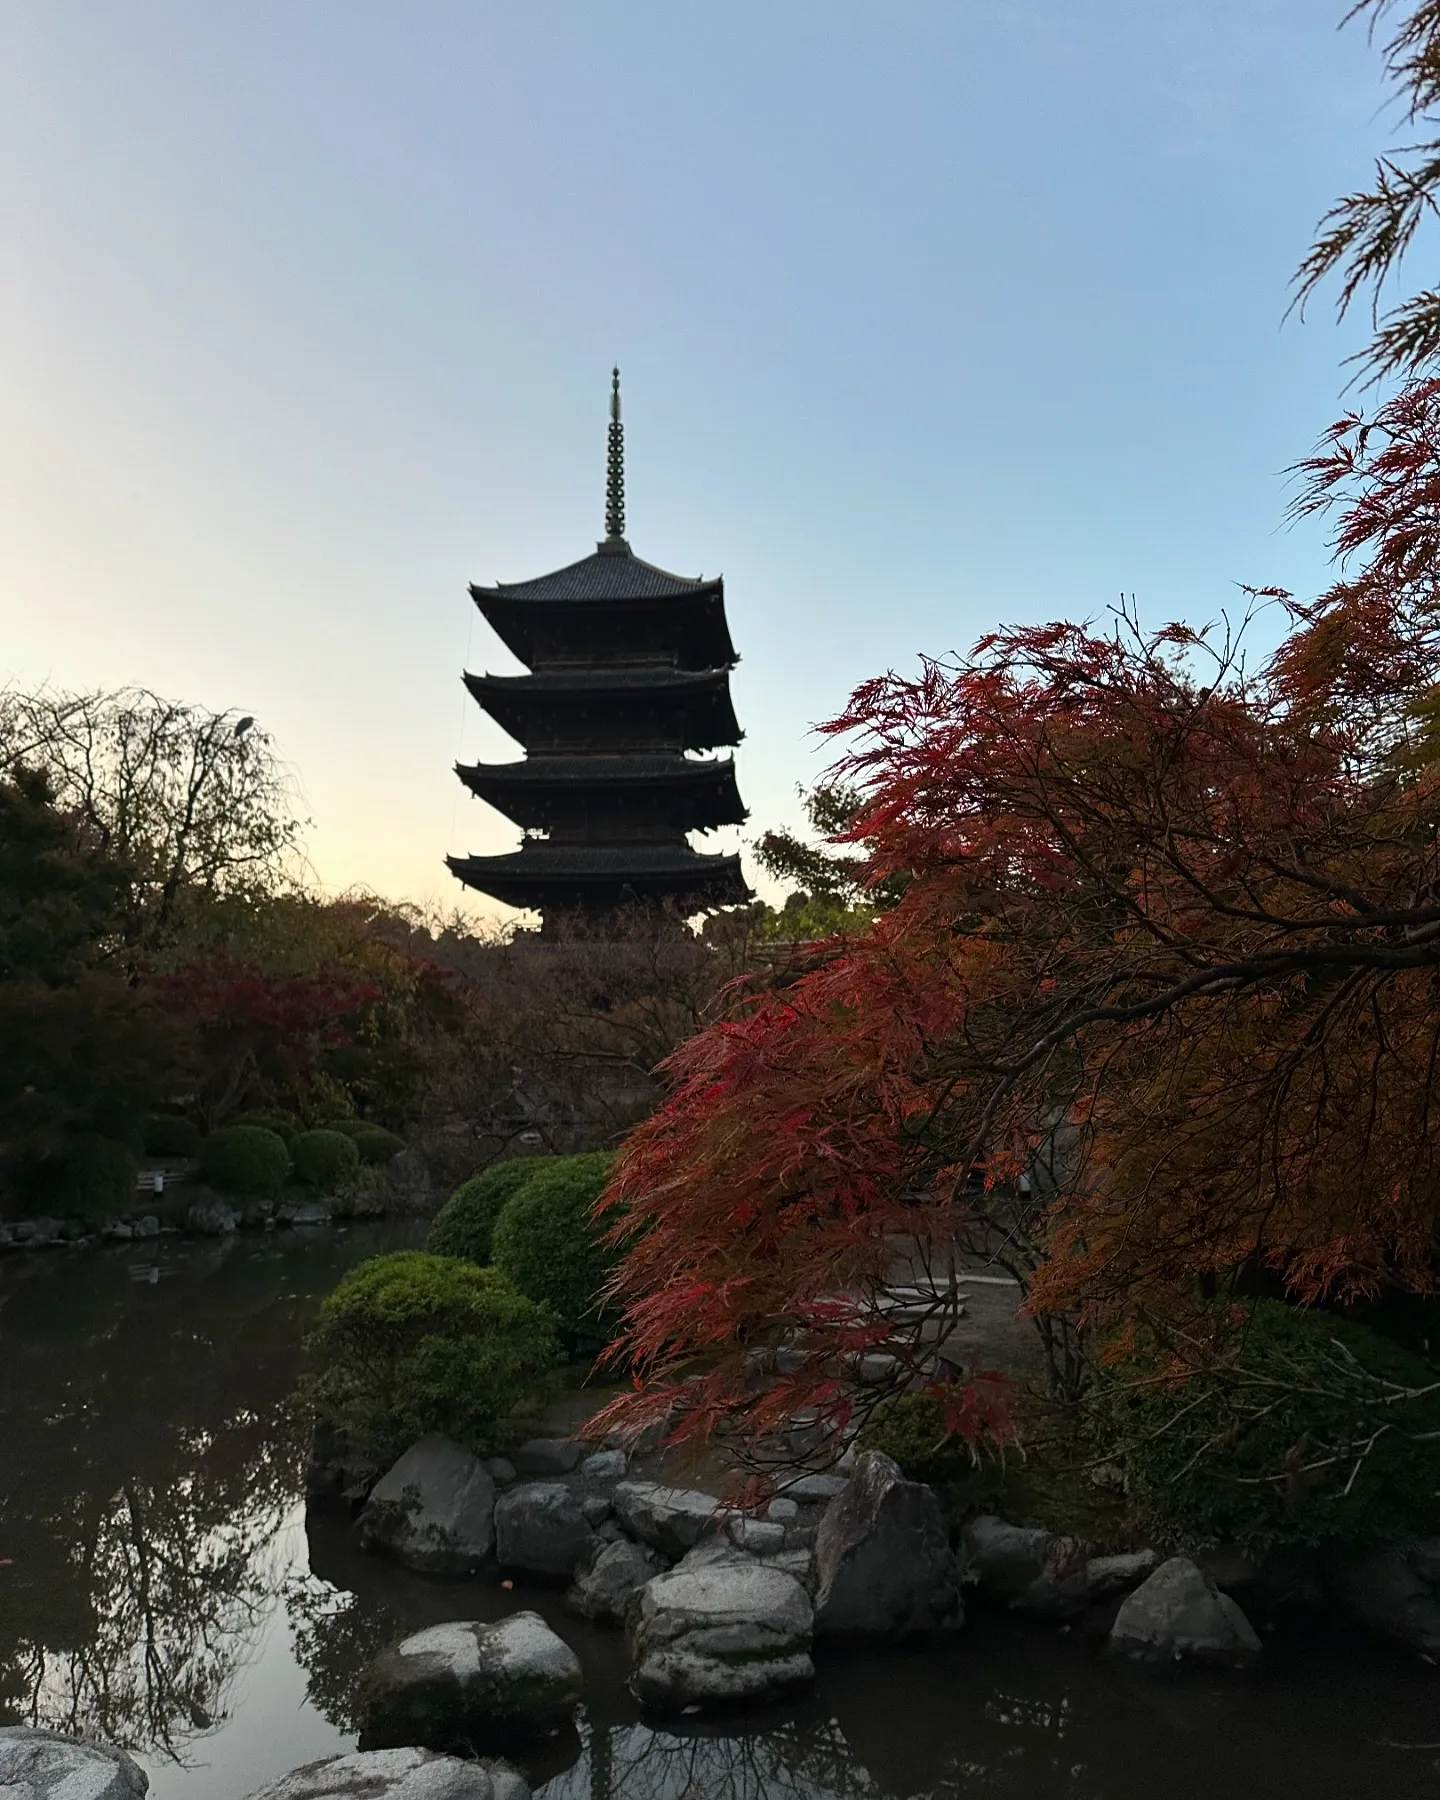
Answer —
(376, 1145)
(285, 1125)
(326, 1159)
(170, 1134)
(412, 1343)
(551, 1247)
(244, 1159)
(1303, 1436)
(465, 1224)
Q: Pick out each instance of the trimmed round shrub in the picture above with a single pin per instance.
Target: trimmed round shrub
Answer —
(326, 1159)
(168, 1134)
(244, 1159)
(375, 1144)
(412, 1343)
(285, 1125)
(549, 1244)
(1313, 1429)
(465, 1224)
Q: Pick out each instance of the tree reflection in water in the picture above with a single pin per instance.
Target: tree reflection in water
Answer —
(792, 1759)
(151, 1464)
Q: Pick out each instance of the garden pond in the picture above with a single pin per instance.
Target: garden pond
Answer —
(160, 1586)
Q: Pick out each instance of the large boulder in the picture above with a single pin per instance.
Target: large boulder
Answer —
(434, 1510)
(1179, 1615)
(408, 1773)
(468, 1685)
(548, 1456)
(607, 1584)
(1393, 1591)
(1004, 1559)
(211, 1218)
(1026, 1568)
(731, 1631)
(883, 1563)
(541, 1529)
(39, 1765)
(671, 1520)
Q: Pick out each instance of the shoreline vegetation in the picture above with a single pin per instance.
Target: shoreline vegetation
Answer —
(1111, 962)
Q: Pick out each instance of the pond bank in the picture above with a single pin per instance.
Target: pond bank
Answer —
(161, 1584)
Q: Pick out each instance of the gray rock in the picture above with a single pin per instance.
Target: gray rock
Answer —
(148, 1227)
(816, 1487)
(401, 1774)
(604, 1467)
(433, 1511)
(541, 1529)
(783, 1508)
(1031, 1570)
(501, 1469)
(1109, 1575)
(211, 1218)
(1002, 1558)
(1063, 1589)
(1393, 1591)
(883, 1563)
(118, 1231)
(713, 1551)
(761, 1537)
(612, 1577)
(671, 1520)
(727, 1633)
(548, 1456)
(799, 1562)
(40, 1765)
(302, 1213)
(468, 1685)
(596, 1508)
(1178, 1615)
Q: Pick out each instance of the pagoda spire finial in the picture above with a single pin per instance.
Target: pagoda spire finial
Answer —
(615, 472)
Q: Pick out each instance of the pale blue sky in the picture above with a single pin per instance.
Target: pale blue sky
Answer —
(931, 316)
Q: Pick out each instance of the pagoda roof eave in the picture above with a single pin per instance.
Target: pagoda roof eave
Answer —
(694, 624)
(606, 575)
(541, 874)
(529, 791)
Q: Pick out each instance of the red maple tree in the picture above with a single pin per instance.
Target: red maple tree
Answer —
(1177, 916)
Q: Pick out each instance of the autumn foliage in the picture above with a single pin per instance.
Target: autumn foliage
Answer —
(1168, 919)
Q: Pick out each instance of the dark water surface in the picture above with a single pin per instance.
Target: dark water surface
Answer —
(158, 1586)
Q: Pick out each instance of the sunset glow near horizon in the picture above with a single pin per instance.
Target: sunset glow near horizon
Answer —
(930, 318)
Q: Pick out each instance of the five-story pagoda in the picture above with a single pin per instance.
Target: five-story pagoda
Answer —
(629, 675)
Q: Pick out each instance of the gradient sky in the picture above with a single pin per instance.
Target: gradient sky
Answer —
(930, 316)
